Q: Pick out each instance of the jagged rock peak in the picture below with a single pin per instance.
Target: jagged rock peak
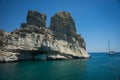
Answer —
(63, 14)
(36, 18)
(63, 22)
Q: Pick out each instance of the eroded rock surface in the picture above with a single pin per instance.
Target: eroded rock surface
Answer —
(63, 22)
(36, 18)
(3, 38)
(34, 41)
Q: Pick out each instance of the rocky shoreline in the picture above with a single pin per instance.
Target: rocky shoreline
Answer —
(35, 41)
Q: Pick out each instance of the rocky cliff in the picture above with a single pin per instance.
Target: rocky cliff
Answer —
(35, 41)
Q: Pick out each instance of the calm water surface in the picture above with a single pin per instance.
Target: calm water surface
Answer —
(99, 67)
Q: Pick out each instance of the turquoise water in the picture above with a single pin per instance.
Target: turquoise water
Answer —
(99, 67)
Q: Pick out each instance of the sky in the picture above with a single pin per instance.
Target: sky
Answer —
(98, 21)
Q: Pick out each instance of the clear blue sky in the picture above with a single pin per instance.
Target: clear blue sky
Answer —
(98, 21)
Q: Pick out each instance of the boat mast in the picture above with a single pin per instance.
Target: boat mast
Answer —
(109, 46)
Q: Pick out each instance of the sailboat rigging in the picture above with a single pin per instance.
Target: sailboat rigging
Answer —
(109, 49)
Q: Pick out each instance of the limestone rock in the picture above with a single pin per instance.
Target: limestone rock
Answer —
(36, 18)
(63, 22)
(7, 56)
(34, 41)
(3, 38)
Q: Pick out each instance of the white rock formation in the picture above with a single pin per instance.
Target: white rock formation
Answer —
(59, 41)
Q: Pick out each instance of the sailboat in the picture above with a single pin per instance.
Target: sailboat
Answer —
(109, 49)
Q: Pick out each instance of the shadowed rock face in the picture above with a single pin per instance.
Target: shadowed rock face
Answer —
(60, 41)
(3, 38)
(36, 18)
(64, 23)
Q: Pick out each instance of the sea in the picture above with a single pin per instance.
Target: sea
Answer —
(99, 67)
